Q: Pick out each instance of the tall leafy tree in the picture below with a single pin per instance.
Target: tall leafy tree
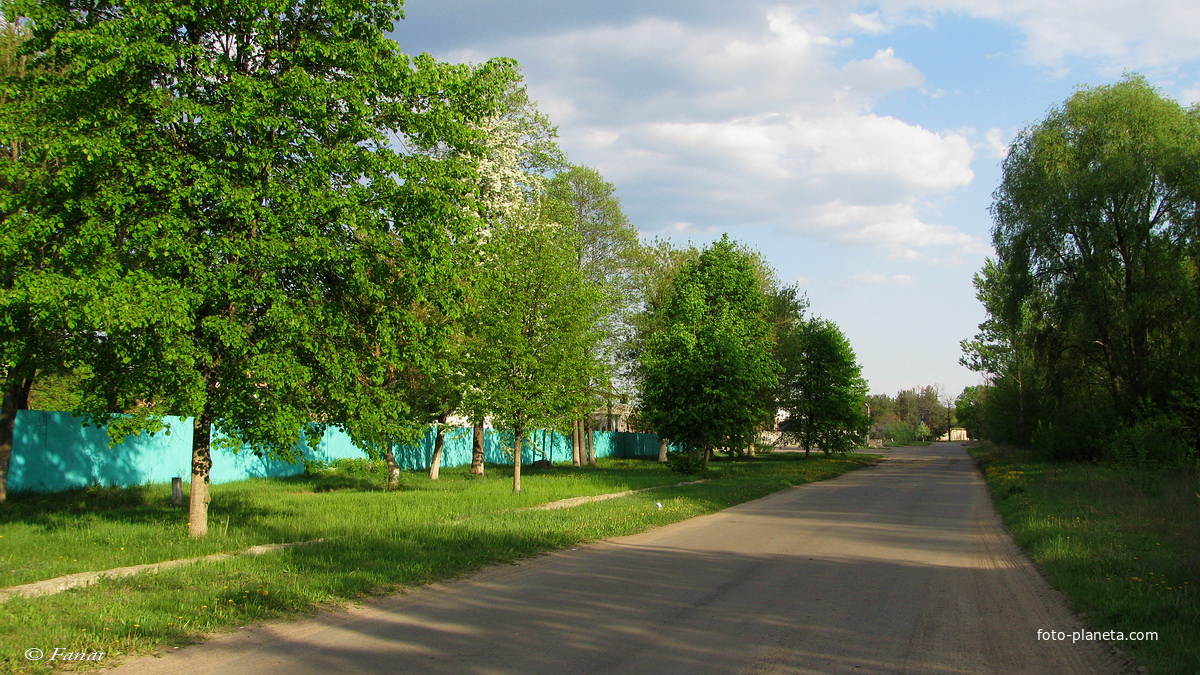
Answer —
(707, 374)
(582, 202)
(533, 337)
(244, 242)
(822, 388)
(1095, 229)
(518, 153)
(971, 412)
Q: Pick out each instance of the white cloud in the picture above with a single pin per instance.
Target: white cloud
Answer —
(719, 126)
(882, 72)
(885, 149)
(872, 23)
(1127, 34)
(898, 229)
(997, 142)
(875, 279)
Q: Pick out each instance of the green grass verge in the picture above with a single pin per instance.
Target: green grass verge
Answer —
(1122, 543)
(377, 541)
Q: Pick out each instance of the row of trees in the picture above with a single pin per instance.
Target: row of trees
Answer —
(1092, 337)
(916, 414)
(264, 216)
(731, 349)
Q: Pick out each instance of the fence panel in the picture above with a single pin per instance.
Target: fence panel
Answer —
(53, 451)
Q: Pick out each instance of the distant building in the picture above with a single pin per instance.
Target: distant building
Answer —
(956, 434)
(613, 417)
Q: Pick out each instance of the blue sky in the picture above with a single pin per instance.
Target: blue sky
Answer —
(855, 144)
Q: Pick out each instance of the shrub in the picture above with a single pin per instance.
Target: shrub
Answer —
(684, 462)
(1157, 440)
(900, 432)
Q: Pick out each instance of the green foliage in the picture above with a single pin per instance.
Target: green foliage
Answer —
(233, 246)
(1155, 441)
(33, 336)
(922, 431)
(902, 433)
(969, 409)
(1092, 303)
(56, 390)
(684, 462)
(707, 375)
(655, 266)
(582, 202)
(822, 388)
(534, 336)
(928, 405)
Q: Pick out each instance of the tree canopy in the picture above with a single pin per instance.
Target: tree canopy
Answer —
(227, 213)
(1092, 300)
(822, 389)
(707, 375)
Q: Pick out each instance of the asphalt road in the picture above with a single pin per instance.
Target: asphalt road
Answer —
(902, 567)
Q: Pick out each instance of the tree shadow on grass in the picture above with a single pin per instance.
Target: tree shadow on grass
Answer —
(138, 505)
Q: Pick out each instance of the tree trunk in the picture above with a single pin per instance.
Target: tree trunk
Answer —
(477, 450)
(518, 432)
(589, 441)
(576, 442)
(389, 456)
(201, 470)
(707, 456)
(662, 451)
(435, 466)
(16, 397)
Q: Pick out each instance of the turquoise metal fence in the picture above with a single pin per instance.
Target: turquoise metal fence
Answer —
(53, 451)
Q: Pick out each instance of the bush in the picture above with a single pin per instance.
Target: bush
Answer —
(684, 462)
(901, 433)
(1157, 440)
(1065, 442)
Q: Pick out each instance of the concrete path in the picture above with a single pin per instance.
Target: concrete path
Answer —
(902, 567)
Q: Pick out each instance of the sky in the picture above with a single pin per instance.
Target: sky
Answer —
(856, 145)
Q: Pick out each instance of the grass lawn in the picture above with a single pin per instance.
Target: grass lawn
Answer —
(376, 541)
(1122, 543)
